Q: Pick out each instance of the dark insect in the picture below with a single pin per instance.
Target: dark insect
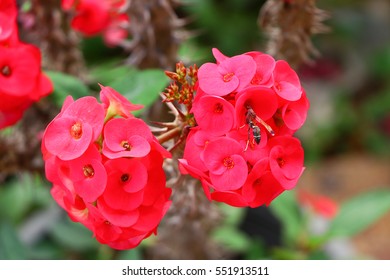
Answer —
(252, 121)
(250, 117)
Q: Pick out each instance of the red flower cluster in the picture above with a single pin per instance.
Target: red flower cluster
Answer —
(21, 79)
(93, 17)
(106, 169)
(247, 108)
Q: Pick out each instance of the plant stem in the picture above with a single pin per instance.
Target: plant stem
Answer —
(170, 134)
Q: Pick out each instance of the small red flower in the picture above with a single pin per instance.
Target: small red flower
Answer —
(91, 17)
(214, 114)
(286, 82)
(261, 186)
(265, 65)
(231, 74)
(224, 158)
(126, 138)
(320, 204)
(69, 135)
(7, 26)
(19, 77)
(87, 173)
(116, 104)
(95, 17)
(286, 160)
(294, 113)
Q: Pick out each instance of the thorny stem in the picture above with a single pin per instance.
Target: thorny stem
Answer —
(181, 91)
(170, 134)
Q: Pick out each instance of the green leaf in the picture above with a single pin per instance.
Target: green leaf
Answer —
(73, 236)
(286, 209)
(10, 246)
(232, 238)
(19, 195)
(233, 216)
(141, 87)
(359, 213)
(65, 85)
(133, 254)
(138, 86)
(106, 73)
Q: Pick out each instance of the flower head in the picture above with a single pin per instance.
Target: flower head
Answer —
(106, 169)
(248, 157)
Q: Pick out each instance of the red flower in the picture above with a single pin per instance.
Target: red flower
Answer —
(87, 173)
(92, 17)
(126, 138)
(95, 17)
(262, 100)
(286, 82)
(265, 65)
(116, 104)
(224, 158)
(261, 186)
(251, 158)
(7, 25)
(195, 144)
(320, 204)
(286, 160)
(112, 182)
(231, 74)
(294, 113)
(69, 135)
(214, 114)
(116, 32)
(21, 79)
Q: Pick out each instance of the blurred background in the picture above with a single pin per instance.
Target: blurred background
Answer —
(340, 208)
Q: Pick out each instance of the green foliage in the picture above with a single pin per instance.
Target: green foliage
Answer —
(10, 246)
(21, 195)
(380, 63)
(228, 233)
(229, 25)
(359, 213)
(65, 85)
(286, 208)
(138, 86)
(73, 236)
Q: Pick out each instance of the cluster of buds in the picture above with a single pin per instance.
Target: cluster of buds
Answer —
(106, 168)
(95, 17)
(247, 108)
(21, 79)
(182, 88)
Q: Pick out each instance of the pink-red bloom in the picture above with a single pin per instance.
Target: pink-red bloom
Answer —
(224, 158)
(69, 135)
(95, 17)
(126, 138)
(231, 74)
(214, 114)
(106, 169)
(21, 79)
(319, 204)
(247, 108)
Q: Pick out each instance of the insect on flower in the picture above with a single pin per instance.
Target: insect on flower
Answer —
(252, 121)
